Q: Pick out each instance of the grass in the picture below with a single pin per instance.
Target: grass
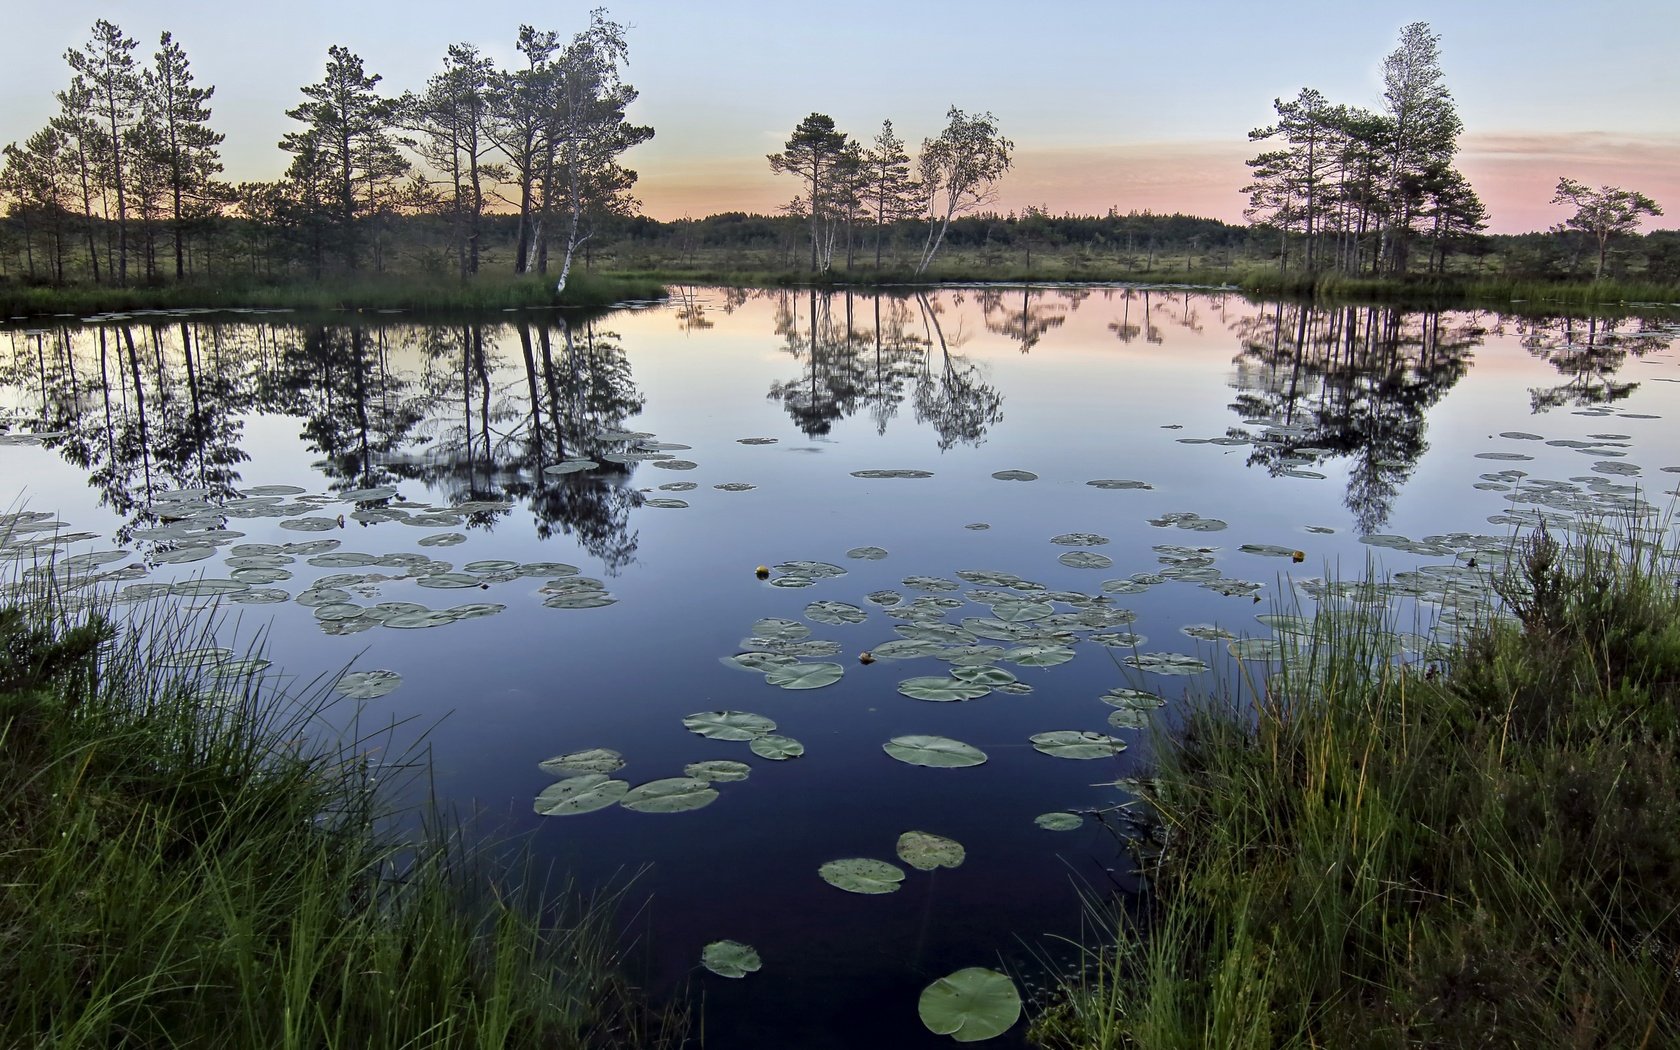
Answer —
(178, 868)
(366, 292)
(1481, 852)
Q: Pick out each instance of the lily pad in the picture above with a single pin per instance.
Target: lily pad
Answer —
(932, 687)
(892, 473)
(1039, 655)
(570, 466)
(1014, 475)
(1079, 539)
(835, 613)
(925, 851)
(933, 751)
(730, 958)
(805, 676)
(666, 504)
(1116, 483)
(718, 770)
(1166, 663)
(1059, 821)
(904, 649)
(970, 1005)
(734, 486)
(582, 794)
(728, 725)
(599, 760)
(776, 748)
(671, 795)
(443, 539)
(758, 663)
(1074, 743)
(1086, 560)
(862, 875)
(867, 553)
(367, 685)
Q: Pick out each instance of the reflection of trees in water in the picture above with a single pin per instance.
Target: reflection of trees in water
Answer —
(1348, 382)
(1024, 314)
(1588, 352)
(139, 408)
(873, 355)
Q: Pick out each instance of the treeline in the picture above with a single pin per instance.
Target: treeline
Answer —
(123, 184)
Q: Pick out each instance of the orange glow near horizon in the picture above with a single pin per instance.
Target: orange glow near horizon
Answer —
(1515, 173)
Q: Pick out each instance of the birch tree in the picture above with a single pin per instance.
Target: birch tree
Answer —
(960, 171)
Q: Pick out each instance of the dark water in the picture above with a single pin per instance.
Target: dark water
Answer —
(1298, 429)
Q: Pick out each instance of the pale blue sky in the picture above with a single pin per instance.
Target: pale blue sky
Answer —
(1127, 104)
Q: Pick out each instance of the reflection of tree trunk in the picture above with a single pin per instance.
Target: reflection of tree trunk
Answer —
(531, 382)
(139, 408)
(553, 390)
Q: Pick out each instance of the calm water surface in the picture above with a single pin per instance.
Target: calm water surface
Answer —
(1291, 428)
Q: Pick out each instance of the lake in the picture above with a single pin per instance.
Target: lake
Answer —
(1042, 511)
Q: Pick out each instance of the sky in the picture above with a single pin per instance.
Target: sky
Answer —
(1114, 104)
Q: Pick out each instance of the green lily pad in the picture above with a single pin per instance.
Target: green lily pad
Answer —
(904, 649)
(884, 598)
(805, 676)
(599, 760)
(1133, 699)
(780, 630)
(775, 747)
(734, 486)
(1014, 475)
(675, 464)
(666, 504)
(377, 494)
(367, 685)
(991, 677)
(1020, 610)
(1079, 539)
(1039, 655)
(1059, 821)
(1166, 663)
(925, 851)
(570, 466)
(1086, 560)
(728, 725)
(932, 687)
(718, 770)
(679, 486)
(1116, 483)
(867, 553)
(816, 570)
(835, 613)
(758, 663)
(1128, 718)
(970, 1005)
(892, 473)
(933, 751)
(443, 539)
(1074, 743)
(671, 795)
(862, 875)
(929, 583)
(730, 958)
(581, 794)
(1207, 632)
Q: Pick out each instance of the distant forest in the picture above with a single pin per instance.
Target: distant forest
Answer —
(519, 171)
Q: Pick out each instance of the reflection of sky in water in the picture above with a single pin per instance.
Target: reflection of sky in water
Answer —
(1109, 387)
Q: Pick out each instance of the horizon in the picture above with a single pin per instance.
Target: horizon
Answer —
(1540, 97)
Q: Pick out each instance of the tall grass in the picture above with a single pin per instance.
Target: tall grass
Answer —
(179, 867)
(1379, 855)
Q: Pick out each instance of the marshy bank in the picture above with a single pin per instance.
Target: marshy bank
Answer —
(179, 869)
(1476, 851)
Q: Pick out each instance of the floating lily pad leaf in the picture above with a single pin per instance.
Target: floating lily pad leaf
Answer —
(579, 600)
(1014, 688)
(862, 875)
(1014, 475)
(442, 539)
(1133, 699)
(1079, 539)
(1166, 663)
(1119, 639)
(977, 526)
(1512, 456)
(970, 1005)
(884, 598)
(662, 446)
(1622, 469)
(816, 570)
(933, 751)
(376, 494)
(449, 581)
(718, 770)
(182, 555)
(792, 581)
(1086, 560)
(991, 677)
(943, 633)
(259, 596)
(971, 656)
(274, 490)
(419, 621)
(258, 577)
(1128, 718)
(1114, 483)
(206, 588)
(580, 794)
(671, 795)
(1518, 435)
(570, 466)
(1021, 610)
(679, 486)
(1124, 587)
(905, 649)
(734, 486)
(675, 464)
(775, 747)
(1074, 743)
(759, 663)
(835, 613)
(933, 687)
(367, 685)
(867, 553)
(1207, 632)
(929, 583)
(310, 524)
(756, 441)
(730, 959)
(1233, 588)
(1267, 550)
(198, 656)
(600, 760)
(343, 560)
(805, 676)
(666, 504)
(1039, 655)
(777, 629)
(1287, 623)
(808, 647)
(892, 473)
(1256, 648)
(1059, 821)
(728, 725)
(926, 851)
